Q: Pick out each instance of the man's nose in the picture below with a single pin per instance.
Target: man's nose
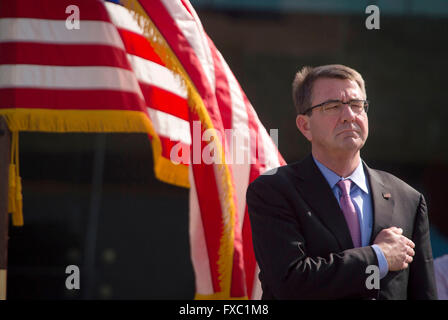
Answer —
(347, 113)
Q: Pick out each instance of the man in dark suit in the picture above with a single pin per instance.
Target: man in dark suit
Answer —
(319, 225)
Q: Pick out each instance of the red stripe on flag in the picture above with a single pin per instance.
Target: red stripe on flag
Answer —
(238, 288)
(224, 100)
(53, 9)
(248, 249)
(70, 99)
(160, 99)
(168, 144)
(62, 55)
(209, 205)
(139, 46)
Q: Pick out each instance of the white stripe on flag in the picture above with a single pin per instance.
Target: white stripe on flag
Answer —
(62, 77)
(257, 292)
(122, 18)
(154, 74)
(55, 31)
(167, 125)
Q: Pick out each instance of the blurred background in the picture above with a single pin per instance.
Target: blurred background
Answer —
(92, 199)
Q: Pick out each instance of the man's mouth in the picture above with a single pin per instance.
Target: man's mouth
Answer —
(348, 131)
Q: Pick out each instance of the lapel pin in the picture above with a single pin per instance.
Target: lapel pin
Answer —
(386, 196)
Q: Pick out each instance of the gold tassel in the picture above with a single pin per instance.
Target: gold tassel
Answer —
(17, 215)
(12, 177)
(12, 188)
(15, 198)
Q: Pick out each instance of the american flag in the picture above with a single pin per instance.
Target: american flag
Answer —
(146, 66)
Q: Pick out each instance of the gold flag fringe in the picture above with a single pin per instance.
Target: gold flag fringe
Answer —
(63, 121)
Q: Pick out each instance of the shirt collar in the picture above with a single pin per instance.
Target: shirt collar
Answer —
(358, 176)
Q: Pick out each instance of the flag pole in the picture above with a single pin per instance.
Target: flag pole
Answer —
(5, 141)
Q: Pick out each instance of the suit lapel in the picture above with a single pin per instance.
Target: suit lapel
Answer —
(382, 202)
(318, 195)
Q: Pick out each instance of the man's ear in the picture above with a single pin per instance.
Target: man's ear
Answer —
(303, 124)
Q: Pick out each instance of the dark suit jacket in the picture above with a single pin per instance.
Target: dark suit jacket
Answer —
(303, 246)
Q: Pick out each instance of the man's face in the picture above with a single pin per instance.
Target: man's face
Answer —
(338, 134)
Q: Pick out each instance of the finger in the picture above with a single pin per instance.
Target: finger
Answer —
(410, 252)
(411, 244)
(409, 259)
(397, 230)
(404, 265)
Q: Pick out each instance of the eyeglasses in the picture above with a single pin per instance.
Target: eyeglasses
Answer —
(334, 107)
